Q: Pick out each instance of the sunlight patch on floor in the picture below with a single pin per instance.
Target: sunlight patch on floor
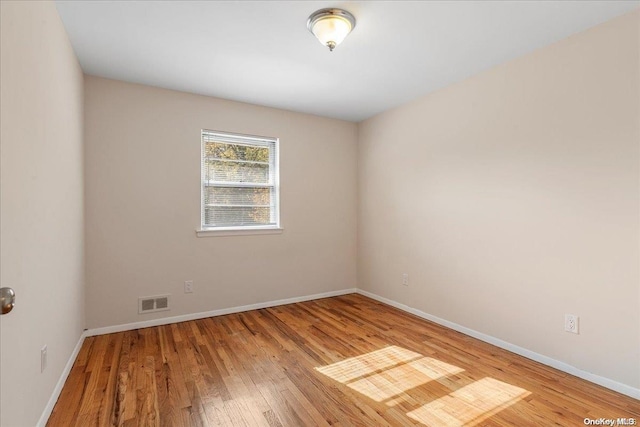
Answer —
(389, 372)
(388, 375)
(395, 381)
(469, 405)
(366, 364)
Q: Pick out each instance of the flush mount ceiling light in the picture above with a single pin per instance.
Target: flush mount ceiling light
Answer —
(331, 26)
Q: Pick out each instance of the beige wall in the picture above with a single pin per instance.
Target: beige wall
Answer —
(512, 198)
(41, 245)
(143, 205)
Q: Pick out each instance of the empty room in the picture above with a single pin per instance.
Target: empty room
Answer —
(305, 213)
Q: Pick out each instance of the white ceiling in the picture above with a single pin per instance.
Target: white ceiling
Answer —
(262, 53)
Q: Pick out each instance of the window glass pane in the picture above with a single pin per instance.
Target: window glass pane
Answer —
(235, 216)
(230, 171)
(223, 150)
(237, 196)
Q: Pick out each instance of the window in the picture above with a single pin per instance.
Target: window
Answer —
(239, 182)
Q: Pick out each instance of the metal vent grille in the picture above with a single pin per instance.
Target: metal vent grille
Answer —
(148, 304)
(162, 302)
(153, 304)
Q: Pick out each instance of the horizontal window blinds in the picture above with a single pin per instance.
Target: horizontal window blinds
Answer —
(239, 181)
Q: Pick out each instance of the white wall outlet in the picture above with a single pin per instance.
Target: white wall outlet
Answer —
(571, 323)
(188, 286)
(405, 279)
(43, 358)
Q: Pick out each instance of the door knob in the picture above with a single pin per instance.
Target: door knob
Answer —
(7, 299)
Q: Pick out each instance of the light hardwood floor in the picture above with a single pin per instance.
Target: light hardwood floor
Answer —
(338, 361)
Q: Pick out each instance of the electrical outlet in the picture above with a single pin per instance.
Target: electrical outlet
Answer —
(43, 358)
(571, 323)
(405, 279)
(188, 286)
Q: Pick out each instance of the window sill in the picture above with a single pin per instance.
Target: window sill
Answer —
(221, 232)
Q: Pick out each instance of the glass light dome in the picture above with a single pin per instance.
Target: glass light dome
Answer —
(331, 26)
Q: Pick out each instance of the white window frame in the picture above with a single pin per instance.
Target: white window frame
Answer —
(236, 138)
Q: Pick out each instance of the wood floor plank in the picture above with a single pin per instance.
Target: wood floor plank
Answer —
(130, 397)
(343, 361)
(122, 384)
(91, 400)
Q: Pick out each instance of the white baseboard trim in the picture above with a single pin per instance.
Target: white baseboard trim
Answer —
(63, 378)
(545, 360)
(213, 313)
